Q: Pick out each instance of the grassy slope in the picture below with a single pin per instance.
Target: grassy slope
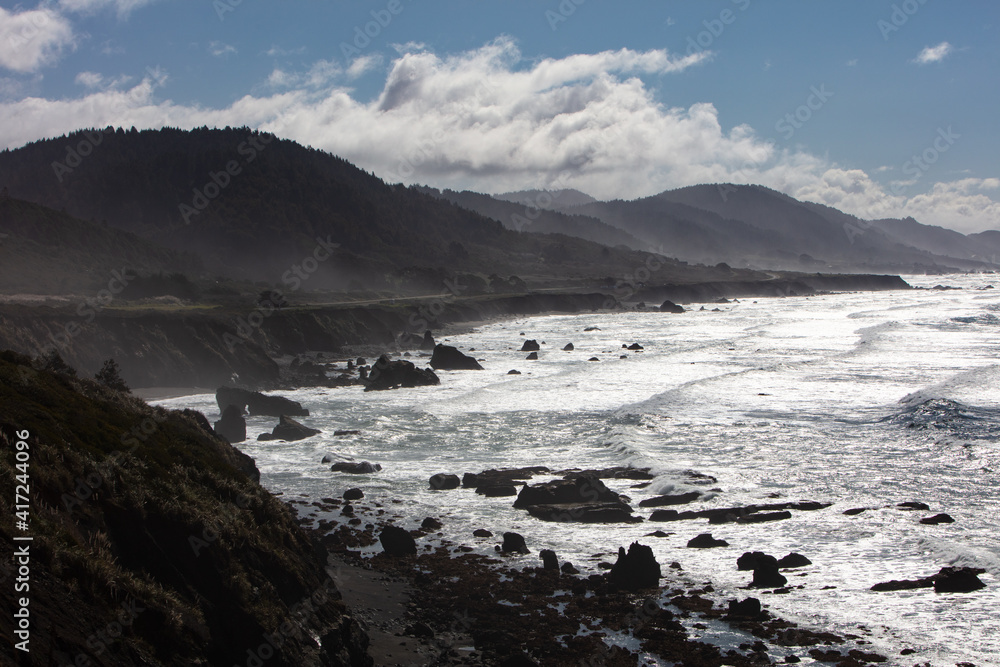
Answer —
(117, 521)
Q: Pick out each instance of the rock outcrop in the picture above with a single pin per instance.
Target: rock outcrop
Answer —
(635, 569)
(671, 307)
(530, 346)
(397, 542)
(232, 426)
(579, 498)
(290, 430)
(387, 374)
(448, 358)
(258, 404)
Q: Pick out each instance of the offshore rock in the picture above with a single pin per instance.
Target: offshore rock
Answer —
(232, 426)
(448, 358)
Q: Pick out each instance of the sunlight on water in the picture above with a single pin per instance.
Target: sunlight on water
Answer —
(862, 400)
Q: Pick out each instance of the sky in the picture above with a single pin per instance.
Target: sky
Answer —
(881, 108)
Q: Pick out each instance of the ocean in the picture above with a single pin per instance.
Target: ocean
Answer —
(863, 400)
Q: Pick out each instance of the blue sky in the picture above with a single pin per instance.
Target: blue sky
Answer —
(881, 108)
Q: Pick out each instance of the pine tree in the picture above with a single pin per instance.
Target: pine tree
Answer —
(110, 376)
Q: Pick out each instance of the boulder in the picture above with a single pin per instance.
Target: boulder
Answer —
(386, 374)
(356, 468)
(748, 608)
(482, 532)
(513, 372)
(911, 505)
(532, 357)
(958, 580)
(936, 519)
(635, 569)
(397, 542)
(569, 347)
(428, 343)
(512, 542)
(593, 359)
(635, 346)
(530, 346)
(584, 513)
(749, 560)
(675, 499)
(447, 358)
(761, 517)
(569, 568)
(592, 329)
(444, 481)
(257, 403)
(504, 477)
(549, 559)
(793, 560)
(232, 426)
(578, 489)
(706, 541)
(766, 575)
(497, 490)
(341, 434)
(430, 523)
(290, 430)
(671, 307)
(354, 494)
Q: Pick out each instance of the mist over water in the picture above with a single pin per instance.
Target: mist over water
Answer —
(862, 400)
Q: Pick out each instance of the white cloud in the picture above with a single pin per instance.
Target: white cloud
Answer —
(89, 79)
(363, 64)
(33, 39)
(491, 121)
(277, 51)
(934, 54)
(122, 7)
(220, 49)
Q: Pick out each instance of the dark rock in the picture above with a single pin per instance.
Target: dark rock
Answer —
(532, 357)
(257, 403)
(359, 468)
(635, 346)
(580, 489)
(766, 575)
(658, 533)
(506, 476)
(958, 580)
(419, 630)
(232, 426)
(430, 523)
(748, 608)
(354, 494)
(671, 307)
(289, 430)
(549, 560)
(482, 532)
(706, 541)
(513, 372)
(327, 458)
(386, 374)
(793, 560)
(444, 481)
(497, 490)
(748, 560)
(764, 516)
(855, 511)
(910, 505)
(569, 568)
(397, 542)
(592, 329)
(530, 346)
(936, 519)
(593, 359)
(361, 362)
(447, 358)
(519, 659)
(584, 512)
(731, 514)
(635, 569)
(340, 434)
(428, 343)
(676, 499)
(904, 584)
(569, 347)
(512, 542)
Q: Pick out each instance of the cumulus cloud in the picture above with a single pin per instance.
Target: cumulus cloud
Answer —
(33, 39)
(934, 54)
(491, 121)
(363, 64)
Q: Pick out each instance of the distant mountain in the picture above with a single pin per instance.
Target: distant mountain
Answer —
(43, 251)
(531, 217)
(751, 225)
(253, 206)
(547, 198)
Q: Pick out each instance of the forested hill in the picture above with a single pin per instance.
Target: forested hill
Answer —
(252, 205)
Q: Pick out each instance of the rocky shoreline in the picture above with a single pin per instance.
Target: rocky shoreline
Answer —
(202, 346)
(492, 599)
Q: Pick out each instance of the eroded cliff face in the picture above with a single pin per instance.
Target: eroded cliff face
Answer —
(211, 348)
(152, 542)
